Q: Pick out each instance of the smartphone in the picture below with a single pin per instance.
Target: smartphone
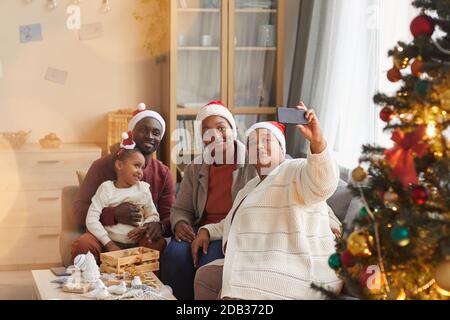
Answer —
(291, 116)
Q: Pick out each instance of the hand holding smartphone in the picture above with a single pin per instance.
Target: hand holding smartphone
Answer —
(292, 116)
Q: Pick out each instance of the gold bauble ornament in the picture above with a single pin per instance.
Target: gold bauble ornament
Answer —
(359, 244)
(359, 174)
(442, 275)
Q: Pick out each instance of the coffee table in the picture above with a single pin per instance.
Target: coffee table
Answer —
(44, 289)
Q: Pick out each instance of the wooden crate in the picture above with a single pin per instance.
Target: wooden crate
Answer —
(84, 288)
(117, 124)
(140, 259)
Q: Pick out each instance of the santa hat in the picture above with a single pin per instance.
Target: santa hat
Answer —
(142, 113)
(276, 128)
(216, 108)
(127, 141)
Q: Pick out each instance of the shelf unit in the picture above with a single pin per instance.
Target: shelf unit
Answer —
(234, 34)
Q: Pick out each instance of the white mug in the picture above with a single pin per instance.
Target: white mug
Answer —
(266, 35)
(206, 40)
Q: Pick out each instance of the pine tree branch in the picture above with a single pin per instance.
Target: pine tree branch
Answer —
(330, 295)
(384, 100)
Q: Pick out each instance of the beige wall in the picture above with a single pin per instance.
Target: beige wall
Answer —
(103, 74)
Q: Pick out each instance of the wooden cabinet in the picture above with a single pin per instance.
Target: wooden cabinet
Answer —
(30, 193)
(228, 50)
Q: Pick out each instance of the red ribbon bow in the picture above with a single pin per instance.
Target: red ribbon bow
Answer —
(401, 157)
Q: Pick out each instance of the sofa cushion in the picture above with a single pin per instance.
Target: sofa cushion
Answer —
(340, 200)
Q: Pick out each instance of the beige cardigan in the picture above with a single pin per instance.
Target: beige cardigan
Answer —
(279, 240)
(191, 198)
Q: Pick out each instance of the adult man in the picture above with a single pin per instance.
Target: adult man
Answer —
(148, 129)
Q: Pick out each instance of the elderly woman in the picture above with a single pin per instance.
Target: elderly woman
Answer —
(277, 236)
(206, 195)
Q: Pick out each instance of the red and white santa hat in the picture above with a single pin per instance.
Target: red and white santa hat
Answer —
(142, 113)
(127, 141)
(216, 108)
(277, 129)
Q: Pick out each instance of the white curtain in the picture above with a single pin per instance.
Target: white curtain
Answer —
(346, 65)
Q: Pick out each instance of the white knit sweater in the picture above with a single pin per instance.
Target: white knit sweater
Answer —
(108, 195)
(280, 239)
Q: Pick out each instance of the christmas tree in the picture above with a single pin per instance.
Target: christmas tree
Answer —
(399, 246)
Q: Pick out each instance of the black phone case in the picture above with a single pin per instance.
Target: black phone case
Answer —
(291, 116)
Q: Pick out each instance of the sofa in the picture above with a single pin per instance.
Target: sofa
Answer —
(70, 231)
(344, 205)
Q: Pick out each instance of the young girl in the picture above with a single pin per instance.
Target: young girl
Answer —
(128, 188)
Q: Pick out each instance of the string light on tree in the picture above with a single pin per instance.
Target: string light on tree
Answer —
(400, 61)
(431, 130)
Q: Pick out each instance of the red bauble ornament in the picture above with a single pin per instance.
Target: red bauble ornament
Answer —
(417, 67)
(387, 114)
(394, 75)
(347, 259)
(422, 25)
(419, 195)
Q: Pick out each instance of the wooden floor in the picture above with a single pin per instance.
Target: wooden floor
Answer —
(16, 285)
